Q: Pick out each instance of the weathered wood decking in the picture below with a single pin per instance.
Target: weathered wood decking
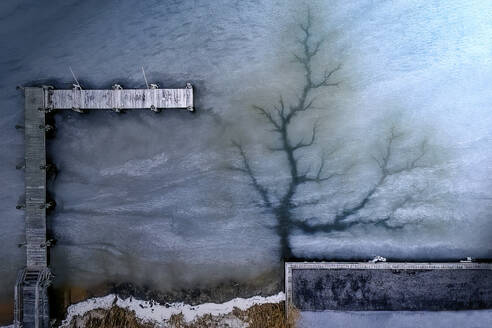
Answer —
(35, 178)
(31, 298)
(122, 98)
(31, 288)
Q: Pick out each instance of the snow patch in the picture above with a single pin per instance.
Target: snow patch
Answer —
(151, 311)
(137, 167)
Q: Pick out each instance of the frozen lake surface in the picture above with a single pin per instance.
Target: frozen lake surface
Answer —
(387, 319)
(152, 199)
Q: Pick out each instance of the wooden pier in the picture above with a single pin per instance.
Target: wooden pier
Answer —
(122, 99)
(31, 288)
(31, 299)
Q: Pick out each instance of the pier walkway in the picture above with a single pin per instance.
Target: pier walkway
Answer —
(31, 288)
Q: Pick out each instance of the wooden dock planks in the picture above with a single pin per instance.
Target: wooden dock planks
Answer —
(35, 178)
(31, 299)
(122, 98)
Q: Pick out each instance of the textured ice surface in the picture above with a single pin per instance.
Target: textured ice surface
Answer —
(397, 319)
(148, 198)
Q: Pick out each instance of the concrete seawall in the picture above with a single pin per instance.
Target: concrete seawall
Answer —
(389, 286)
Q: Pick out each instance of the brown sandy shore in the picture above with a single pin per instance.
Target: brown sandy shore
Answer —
(6, 313)
(61, 297)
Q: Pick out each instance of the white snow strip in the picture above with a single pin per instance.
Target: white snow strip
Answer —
(153, 312)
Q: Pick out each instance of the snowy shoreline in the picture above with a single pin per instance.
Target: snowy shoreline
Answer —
(150, 311)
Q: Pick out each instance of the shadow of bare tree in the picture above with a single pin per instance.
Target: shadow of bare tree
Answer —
(280, 118)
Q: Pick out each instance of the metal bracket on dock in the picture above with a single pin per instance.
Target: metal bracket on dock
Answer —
(47, 102)
(190, 87)
(47, 167)
(153, 107)
(76, 96)
(116, 95)
(48, 243)
(377, 259)
(48, 128)
(48, 205)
